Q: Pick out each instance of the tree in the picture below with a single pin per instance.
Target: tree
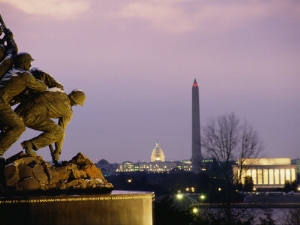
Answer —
(290, 186)
(248, 184)
(250, 147)
(226, 140)
(287, 186)
(294, 185)
(166, 212)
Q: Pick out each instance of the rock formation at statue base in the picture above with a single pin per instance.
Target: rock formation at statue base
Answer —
(23, 174)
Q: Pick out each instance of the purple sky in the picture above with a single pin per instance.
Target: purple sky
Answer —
(137, 60)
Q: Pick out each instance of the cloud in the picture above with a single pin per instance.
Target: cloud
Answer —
(59, 9)
(163, 15)
(191, 15)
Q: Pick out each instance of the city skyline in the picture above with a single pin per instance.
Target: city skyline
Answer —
(136, 62)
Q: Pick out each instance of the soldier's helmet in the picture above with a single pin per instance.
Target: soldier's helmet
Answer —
(22, 58)
(77, 96)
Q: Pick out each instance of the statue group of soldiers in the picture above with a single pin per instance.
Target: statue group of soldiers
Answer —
(38, 98)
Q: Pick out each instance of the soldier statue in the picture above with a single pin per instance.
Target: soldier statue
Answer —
(13, 83)
(37, 114)
(40, 97)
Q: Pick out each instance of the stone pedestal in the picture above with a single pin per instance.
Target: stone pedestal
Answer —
(116, 208)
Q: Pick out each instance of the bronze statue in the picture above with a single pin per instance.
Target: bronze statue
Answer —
(37, 114)
(28, 94)
(37, 106)
(13, 83)
(7, 51)
(46, 78)
(40, 99)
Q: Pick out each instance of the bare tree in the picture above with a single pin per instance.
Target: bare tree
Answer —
(225, 139)
(250, 148)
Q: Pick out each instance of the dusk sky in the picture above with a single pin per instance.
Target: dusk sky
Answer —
(137, 60)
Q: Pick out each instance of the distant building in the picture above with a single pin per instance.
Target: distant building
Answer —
(157, 164)
(155, 167)
(157, 154)
(268, 173)
(185, 165)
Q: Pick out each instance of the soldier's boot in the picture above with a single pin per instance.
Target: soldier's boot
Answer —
(27, 146)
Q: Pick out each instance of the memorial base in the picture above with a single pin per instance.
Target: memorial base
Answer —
(116, 208)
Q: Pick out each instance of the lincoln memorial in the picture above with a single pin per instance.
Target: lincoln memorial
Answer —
(266, 172)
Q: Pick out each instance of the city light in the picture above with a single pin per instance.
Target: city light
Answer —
(179, 196)
(202, 197)
(190, 189)
(195, 210)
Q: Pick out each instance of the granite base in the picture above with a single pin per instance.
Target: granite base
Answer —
(116, 208)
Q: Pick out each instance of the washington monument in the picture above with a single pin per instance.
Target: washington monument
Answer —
(196, 140)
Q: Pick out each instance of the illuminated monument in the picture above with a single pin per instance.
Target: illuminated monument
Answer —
(158, 164)
(196, 140)
(157, 154)
(266, 172)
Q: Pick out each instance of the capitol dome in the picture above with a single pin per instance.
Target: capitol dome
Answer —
(157, 154)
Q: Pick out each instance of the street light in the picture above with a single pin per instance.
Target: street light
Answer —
(202, 197)
(190, 189)
(179, 196)
(195, 210)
